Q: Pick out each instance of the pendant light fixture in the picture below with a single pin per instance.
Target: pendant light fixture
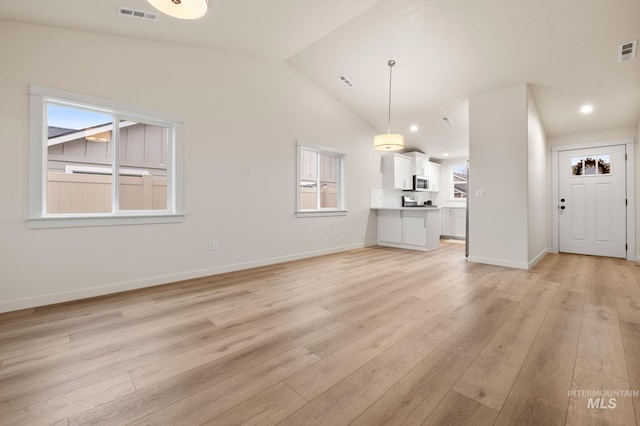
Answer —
(389, 141)
(182, 9)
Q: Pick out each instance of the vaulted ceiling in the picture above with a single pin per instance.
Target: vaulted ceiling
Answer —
(446, 51)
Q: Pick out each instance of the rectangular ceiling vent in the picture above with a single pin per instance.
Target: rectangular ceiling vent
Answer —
(627, 51)
(447, 121)
(125, 11)
(346, 81)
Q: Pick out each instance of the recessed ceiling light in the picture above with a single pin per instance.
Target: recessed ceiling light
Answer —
(586, 109)
(413, 128)
(446, 154)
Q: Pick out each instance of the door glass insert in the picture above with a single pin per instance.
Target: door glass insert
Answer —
(591, 165)
(604, 164)
(577, 166)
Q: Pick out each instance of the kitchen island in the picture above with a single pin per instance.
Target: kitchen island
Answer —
(414, 228)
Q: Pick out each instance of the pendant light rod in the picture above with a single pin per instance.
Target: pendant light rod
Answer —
(391, 63)
(389, 141)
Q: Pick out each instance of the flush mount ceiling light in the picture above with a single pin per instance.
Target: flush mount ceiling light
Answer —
(586, 109)
(389, 141)
(182, 9)
(413, 128)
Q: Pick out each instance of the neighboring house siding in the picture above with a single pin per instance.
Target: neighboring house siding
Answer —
(141, 147)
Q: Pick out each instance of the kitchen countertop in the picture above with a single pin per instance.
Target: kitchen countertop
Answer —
(407, 208)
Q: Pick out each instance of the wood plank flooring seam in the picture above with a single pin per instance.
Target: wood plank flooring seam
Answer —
(287, 385)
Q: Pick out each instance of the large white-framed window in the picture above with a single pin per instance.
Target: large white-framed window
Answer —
(96, 162)
(320, 181)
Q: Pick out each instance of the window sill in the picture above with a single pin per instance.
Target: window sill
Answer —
(321, 213)
(74, 221)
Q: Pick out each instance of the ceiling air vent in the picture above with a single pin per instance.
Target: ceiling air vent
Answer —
(125, 11)
(346, 81)
(447, 121)
(627, 51)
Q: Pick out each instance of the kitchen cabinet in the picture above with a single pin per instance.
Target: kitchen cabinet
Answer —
(454, 222)
(420, 163)
(417, 229)
(397, 172)
(423, 167)
(433, 173)
(390, 226)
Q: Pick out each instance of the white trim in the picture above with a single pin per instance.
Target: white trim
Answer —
(341, 159)
(629, 144)
(74, 221)
(631, 200)
(321, 148)
(406, 246)
(101, 290)
(538, 258)
(320, 213)
(71, 169)
(587, 145)
(122, 114)
(106, 105)
(499, 262)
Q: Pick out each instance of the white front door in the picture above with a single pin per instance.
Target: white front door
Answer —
(592, 201)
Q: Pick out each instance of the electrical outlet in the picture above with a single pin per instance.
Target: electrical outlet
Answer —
(214, 245)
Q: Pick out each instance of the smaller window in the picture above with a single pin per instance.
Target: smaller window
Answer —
(320, 176)
(459, 181)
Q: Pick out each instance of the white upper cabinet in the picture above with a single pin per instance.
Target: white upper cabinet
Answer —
(421, 163)
(433, 173)
(397, 171)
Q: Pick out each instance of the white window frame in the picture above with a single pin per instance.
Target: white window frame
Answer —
(341, 209)
(452, 182)
(39, 97)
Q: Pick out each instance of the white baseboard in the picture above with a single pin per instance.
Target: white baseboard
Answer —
(510, 263)
(32, 302)
(499, 262)
(539, 257)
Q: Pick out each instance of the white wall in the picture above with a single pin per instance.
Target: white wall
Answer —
(498, 170)
(539, 160)
(242, 118)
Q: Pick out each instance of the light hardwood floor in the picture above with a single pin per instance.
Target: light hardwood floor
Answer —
(375, 336)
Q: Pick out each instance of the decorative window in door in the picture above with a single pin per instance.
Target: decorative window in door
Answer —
(593, 165)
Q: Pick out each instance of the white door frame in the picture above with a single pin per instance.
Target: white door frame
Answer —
(630, 189)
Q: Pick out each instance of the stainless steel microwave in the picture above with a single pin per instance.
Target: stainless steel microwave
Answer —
(420, 183)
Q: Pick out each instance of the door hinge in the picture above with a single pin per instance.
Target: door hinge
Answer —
(626, 201)
(626, 247)
(625, 157)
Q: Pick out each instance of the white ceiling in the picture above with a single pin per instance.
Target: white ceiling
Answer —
(446, 51)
